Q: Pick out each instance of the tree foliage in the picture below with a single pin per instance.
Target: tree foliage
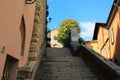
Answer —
(81, 40)
(65, 27)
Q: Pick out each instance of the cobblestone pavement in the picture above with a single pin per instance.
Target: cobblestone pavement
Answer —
(59, 64)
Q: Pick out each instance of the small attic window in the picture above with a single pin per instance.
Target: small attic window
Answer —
(30, 1)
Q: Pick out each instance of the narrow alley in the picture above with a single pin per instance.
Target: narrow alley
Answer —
(60, 40)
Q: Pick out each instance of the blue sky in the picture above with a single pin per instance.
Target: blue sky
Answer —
(86, 12)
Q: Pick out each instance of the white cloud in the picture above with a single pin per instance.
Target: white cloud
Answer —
(87, 29)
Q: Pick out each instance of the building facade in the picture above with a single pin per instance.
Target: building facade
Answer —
(102, 36)
(108, 34)
(16, 25)
(93, 45)
(54, 42)
(113, 26)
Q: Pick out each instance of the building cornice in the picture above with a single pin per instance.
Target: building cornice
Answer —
(113, 11)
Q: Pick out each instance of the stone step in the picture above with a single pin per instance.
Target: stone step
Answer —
(66, 76)
(82, 78)
(64, 58)
(65, 73)
(59, 64)
(58, 51)
(66, 69)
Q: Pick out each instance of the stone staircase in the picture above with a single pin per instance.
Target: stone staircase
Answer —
(59, 64)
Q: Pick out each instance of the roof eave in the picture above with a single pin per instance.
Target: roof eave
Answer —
(112, 13)
(97, 25)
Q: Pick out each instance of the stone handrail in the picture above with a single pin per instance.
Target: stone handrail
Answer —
(98, 63)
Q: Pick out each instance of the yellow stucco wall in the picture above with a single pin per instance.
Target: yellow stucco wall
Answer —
(115, 40)
(93, 45)
(54, 42)
(109, 39)
(103, 42)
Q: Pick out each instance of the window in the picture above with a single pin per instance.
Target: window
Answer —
(104, 49)
(112, 36)
(22, 30)
(30, 1)
(55, 38)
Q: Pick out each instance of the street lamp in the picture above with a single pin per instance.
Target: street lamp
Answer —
(30, 1)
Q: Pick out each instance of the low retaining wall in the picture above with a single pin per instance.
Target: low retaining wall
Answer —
(28, 72)
(99, 64)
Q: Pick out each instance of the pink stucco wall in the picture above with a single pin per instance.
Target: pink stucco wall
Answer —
(10, 19)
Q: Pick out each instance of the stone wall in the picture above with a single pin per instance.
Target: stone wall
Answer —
(38, 45)
(38, 37)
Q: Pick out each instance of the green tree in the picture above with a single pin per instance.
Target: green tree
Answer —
(81, 40)
(65, 27)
